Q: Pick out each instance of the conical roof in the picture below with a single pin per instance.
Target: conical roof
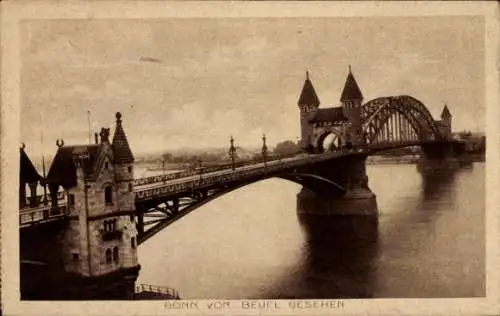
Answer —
(308, 95)
(445, 113)
(28, 172)
(351, 89)
(121, 150)
(63, 169)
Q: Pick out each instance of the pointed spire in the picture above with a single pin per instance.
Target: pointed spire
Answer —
(445, 114)
(308, 95)
(121, 149)
(351, 89)
(27, 170)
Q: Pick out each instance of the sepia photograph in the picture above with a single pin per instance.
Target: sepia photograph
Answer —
(262, 163)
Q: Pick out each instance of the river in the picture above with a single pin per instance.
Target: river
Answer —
(428, 241)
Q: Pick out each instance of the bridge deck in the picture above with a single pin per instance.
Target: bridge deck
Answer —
(198, 181)
(171, 184)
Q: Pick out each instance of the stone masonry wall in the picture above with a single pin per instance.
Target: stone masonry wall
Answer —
(83, 246)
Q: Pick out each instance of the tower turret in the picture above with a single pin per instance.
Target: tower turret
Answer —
(352, 99)
(446, 120)
(308, 105)
(445, 114)
(124, 174)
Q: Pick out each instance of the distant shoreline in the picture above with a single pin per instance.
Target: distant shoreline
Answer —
(390, 160)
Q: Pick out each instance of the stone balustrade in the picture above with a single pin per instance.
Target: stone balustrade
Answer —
(41, 215)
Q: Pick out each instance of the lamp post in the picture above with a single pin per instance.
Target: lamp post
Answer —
(264, 150)
(232, 153)
(45, 202)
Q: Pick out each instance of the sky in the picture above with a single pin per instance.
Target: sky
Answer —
(193, 82)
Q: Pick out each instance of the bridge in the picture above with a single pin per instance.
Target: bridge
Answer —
(102, 213)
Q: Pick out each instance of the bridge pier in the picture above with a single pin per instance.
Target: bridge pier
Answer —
(438, 157)
(357, 198)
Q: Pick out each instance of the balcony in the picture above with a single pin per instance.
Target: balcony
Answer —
(112, 235)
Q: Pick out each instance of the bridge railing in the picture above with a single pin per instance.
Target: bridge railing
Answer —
(189, 173)
(34, 202)
(230, 175)
(140, 288)
(42, 214)
(272, 166)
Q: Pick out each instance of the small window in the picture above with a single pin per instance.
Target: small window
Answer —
(132, 242)
(129, 169)
(106, 165)
(110, 226)
(131, 217)
(108, 195)
(130, 187)
(71, 199)
(75, 256)
(108, 255)
(115, 254)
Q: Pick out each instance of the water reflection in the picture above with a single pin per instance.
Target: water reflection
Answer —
(435, 184)
(428, 241)
(338, 257)
(433, 239)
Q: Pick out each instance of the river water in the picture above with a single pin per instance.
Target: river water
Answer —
(428, 241)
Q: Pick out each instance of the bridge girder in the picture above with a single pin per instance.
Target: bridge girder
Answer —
(156, 214)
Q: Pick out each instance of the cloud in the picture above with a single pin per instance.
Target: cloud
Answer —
(236, 76)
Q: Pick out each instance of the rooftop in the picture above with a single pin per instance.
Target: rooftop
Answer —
(351, 89)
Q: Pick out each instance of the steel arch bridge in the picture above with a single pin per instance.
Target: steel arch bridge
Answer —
(398, 119)
(388, 123)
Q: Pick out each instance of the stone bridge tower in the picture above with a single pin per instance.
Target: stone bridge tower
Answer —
(308, 105)
(99, 243)
(352, 100)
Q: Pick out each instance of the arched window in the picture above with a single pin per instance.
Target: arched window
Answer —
(130, 187)
(108, 255)
(115, 254)
(108, 195)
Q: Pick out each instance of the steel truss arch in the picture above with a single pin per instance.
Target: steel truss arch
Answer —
(377, 112)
